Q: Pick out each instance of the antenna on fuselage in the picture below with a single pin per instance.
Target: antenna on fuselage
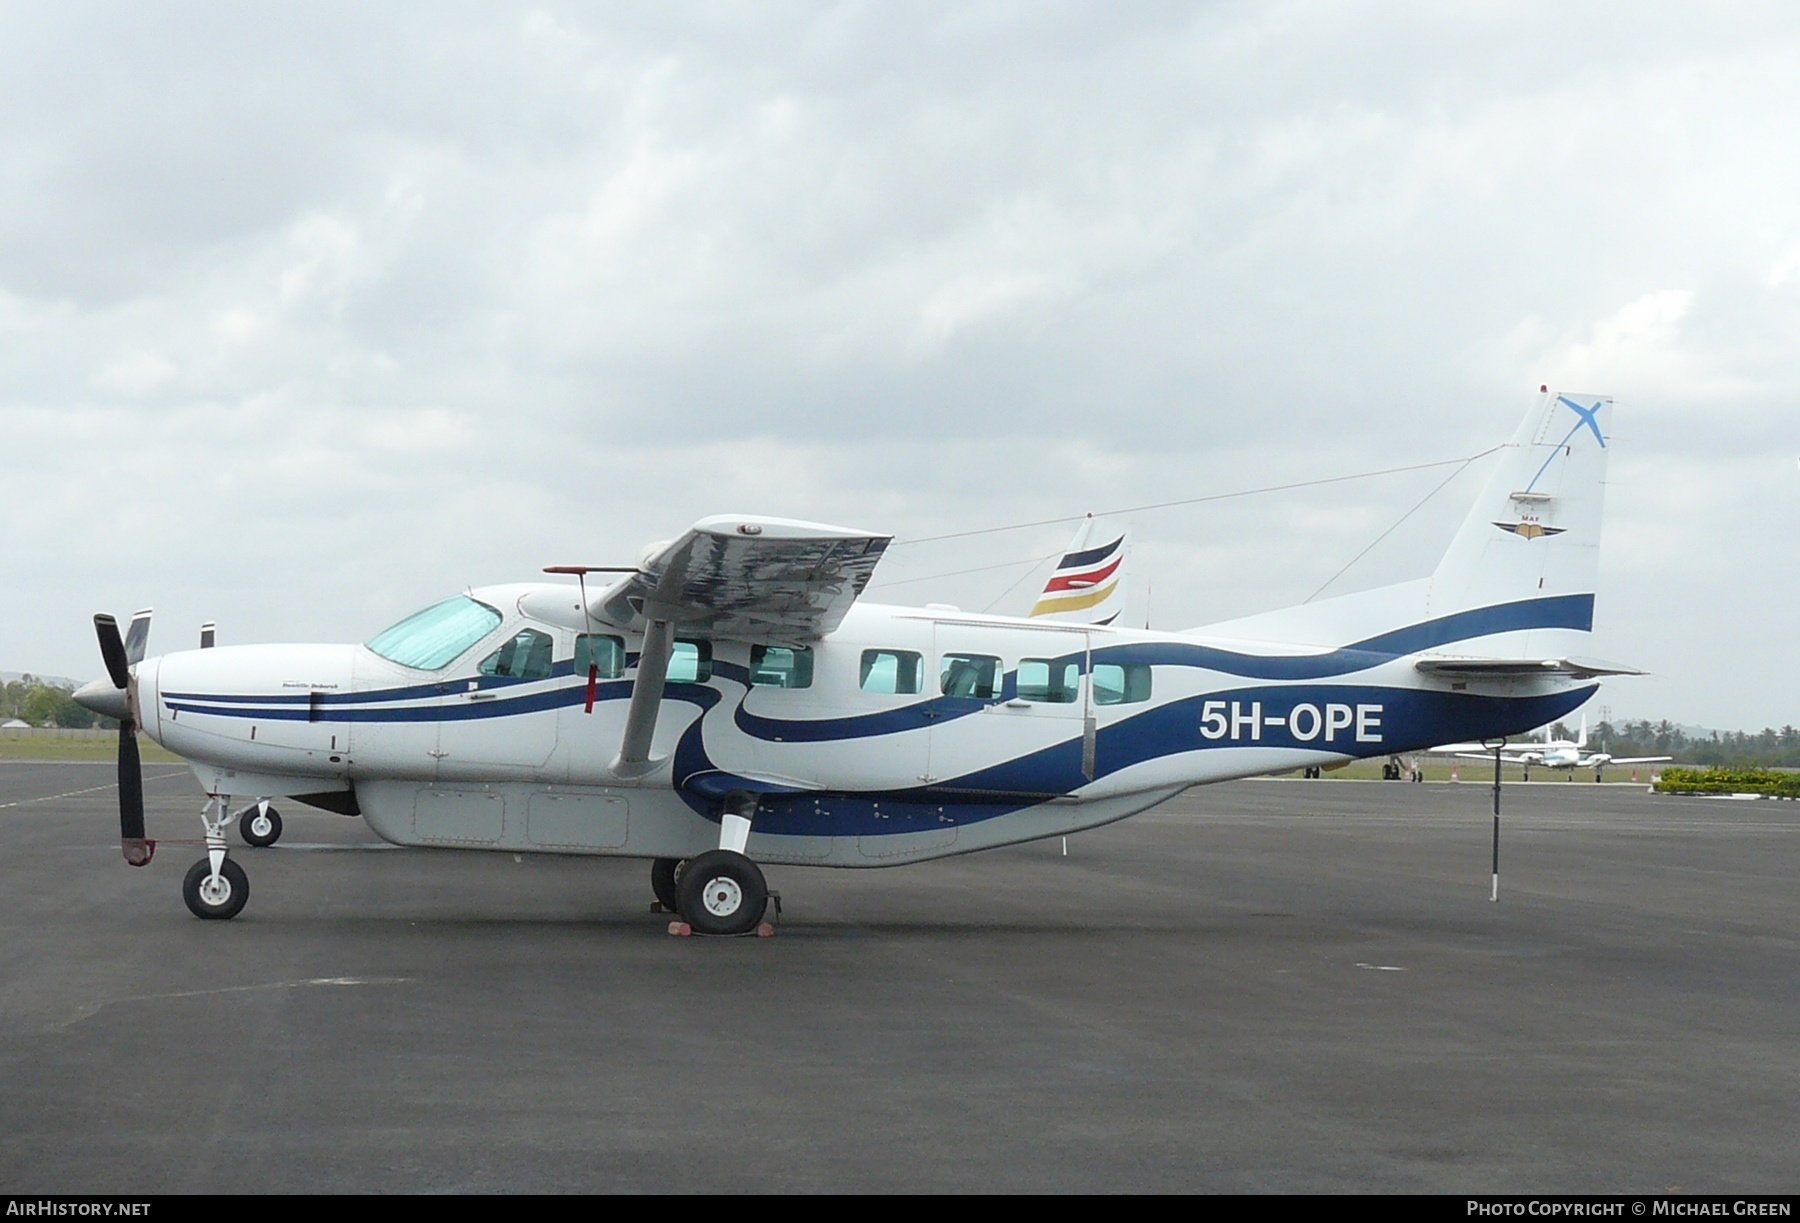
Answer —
(587, 618)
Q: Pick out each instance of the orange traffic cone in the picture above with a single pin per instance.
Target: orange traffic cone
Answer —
(1453, 776)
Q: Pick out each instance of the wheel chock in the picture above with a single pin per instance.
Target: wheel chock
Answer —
(680, 929)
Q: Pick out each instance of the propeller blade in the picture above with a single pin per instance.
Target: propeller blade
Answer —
(112, 650)
(136, 847)
(137, 637)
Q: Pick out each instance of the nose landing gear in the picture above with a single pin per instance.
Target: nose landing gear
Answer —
(215, 887)
(213, 897)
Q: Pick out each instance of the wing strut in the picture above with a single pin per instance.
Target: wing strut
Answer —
(646, 699)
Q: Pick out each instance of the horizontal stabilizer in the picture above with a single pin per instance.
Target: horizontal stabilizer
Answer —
(1521, 668)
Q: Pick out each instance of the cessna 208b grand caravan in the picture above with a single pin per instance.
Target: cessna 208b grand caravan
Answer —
(732, 701)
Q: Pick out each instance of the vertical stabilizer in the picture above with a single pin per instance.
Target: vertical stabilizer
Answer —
(1533, 534)
(1088, 585)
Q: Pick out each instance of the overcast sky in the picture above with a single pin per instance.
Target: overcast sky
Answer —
(309, 316)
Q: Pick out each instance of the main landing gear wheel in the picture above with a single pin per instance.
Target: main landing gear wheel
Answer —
(260, 826)
(665, 882)
(722, 892)
(217, 900)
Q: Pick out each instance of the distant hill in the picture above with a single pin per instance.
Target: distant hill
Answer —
(55, 681)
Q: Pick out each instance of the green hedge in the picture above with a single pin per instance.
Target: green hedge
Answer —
(1728, 781)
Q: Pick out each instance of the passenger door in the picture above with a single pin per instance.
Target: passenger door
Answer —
(1028, 740)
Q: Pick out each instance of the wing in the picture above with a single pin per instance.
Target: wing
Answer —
(1638, 760)
(749, 579)
(1520, 668)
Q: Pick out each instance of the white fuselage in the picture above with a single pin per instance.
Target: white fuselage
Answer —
(1073, 727)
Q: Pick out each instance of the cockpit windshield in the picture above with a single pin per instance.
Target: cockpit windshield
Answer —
(438, 635)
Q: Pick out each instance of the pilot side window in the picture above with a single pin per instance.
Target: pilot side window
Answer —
(604, 651)
(691, 663)
(434, 637)
(1121, 685)
(780, 666)
(892, 672)
(1050, 681)
(526, 656)
(972, 675)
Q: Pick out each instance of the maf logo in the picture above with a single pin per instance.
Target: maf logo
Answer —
(1530, 528)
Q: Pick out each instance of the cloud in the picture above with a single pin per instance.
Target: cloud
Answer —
(307, 315)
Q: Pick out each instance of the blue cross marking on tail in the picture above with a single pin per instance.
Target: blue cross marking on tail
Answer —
(1587, 417)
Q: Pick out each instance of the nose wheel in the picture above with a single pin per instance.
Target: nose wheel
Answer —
(217, 897)
(215, 887)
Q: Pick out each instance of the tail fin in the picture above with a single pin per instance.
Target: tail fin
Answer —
(1518, 579)
(1534, 532)
(1088, 585)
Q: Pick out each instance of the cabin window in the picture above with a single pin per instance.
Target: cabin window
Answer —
(972, 675)
(604, 652)
(892, 672)
(1050, 681)
(691, 663)
(1121, 685)
(437, 636)
(527, 656)
(781, 666)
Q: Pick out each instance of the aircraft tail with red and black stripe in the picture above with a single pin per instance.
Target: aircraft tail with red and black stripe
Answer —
(1088, 584)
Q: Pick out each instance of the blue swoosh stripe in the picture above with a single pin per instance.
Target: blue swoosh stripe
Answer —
(1412, 719)
(1560, 611)
(537, 702)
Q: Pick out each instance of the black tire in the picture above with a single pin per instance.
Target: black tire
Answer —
(722, 893)
(250, 827)
(214, 908)
(665, 879)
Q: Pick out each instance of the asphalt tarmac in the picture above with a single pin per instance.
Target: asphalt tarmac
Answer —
(1261, 986)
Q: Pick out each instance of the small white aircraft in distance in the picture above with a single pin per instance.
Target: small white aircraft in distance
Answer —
(1566, 755)
(731, 700)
